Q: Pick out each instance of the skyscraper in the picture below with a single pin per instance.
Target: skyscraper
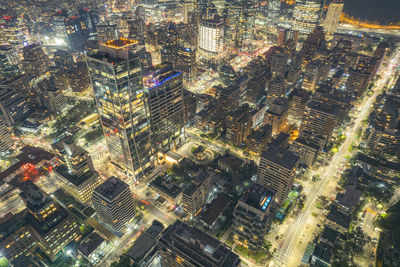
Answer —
(122, 103)
(6, 141)
(307, 15)
(332, 17)
(211, 40)
(113, 202)
(165, 88)
(277, 170)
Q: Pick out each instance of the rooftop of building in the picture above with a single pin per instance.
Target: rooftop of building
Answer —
(281, 157)
(324, 107)
(322, 252)
(231, 161)
(330, 234)
(143, 244)
(339, 218)
(350, 198)
(197, 245)
(29, 154)
(281, 140)
(166, 186)
(120, 43)
(214, 210)
(259, 134)
(155, 229)
(90, 244)
(307, 142)
(111, 188)
(159, 74)
(379, 163)
(74, 179)
(258, 197)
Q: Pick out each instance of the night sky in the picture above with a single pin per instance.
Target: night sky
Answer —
(384, 11)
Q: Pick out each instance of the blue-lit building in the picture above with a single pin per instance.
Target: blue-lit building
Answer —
(165, 89)
(252, 216)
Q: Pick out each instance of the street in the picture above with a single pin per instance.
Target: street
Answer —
(289, 254)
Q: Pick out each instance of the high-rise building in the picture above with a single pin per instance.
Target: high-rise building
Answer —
(238, 125)
(319, 121)
(123, 106)
(165, 93)
(194, 197)
(279, 61)
(211, 40)
(306, 149)
(384, 132)
(276, 89)
(258, 140)
(185, 61)
(307, 15)
(256, 89)
(35, 60)
(8, 62)
(63, 59)
(6, 141)
(277, 115)
(252, 216)
(106, 32)
(182, 245)
(77, 31)
(312, 76)
(284, 35)
(331, 21)
(13, 106)
(277, 170)
(75, 171)
(297, 102)
(113, 202)
(48, 219)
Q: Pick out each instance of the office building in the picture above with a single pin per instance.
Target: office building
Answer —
(126, 124)
(38, 226)
(63, 59)
(77, 32)
(165, 90)
(277, 170)
(279, 61)
(332, 18)
(312, 76)
(35, 61)
(6, 141)
(211, 40)
(228, 100)
(238, 125)
(276, 89)
(384, 134)
(306, 150)
(327, 94)
(284, 35)
(185, 62)
(75, 171)
(297, 102)
(8, 62)
(194, 197)
(307, 15)
(319, 121)
(258, 140)
(106, 33)
(113, 202)
(144, 249)
(277, 115)
(77, 77)
(252, 216)
(13, 106)
(185, 246)
(256, 89)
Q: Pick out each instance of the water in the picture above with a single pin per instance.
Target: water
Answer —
(383, 11)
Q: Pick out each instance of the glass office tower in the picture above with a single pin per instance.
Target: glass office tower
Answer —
(121, 100)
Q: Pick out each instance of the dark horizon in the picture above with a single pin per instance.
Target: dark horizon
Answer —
(383, 11)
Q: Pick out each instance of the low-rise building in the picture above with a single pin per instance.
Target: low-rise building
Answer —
(167, 189)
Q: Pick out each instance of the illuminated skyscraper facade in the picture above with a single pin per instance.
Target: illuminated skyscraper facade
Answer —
(307, 15)
(116, 77)
(332, 17)
(211, 40)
